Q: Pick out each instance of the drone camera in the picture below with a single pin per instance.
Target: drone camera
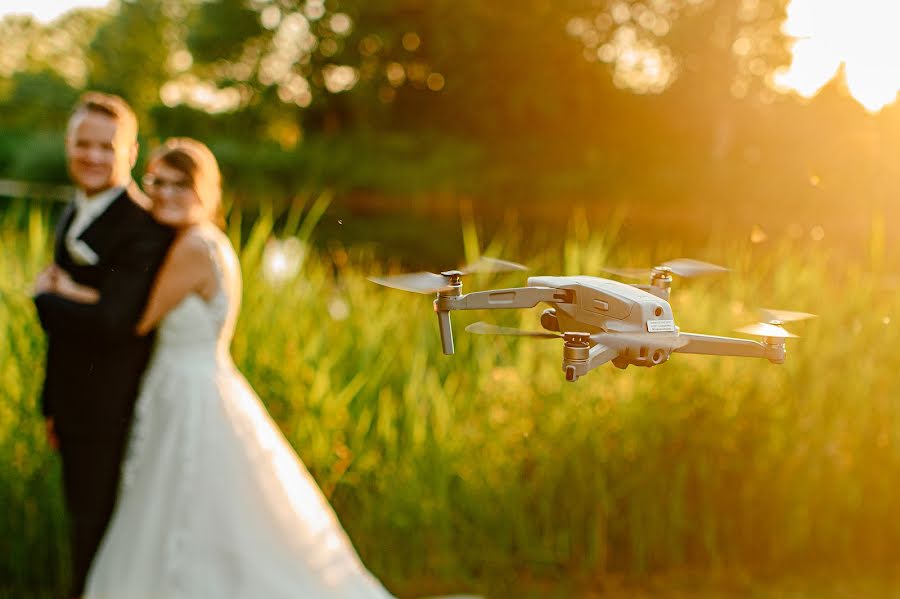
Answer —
(643, 355)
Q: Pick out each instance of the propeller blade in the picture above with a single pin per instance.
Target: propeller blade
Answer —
(483, 328)
(687, 267)
(765, 329)
(417, 282)
(785, 315)
(684, 267)
(486, 264)
(429, 282)
(628, 273)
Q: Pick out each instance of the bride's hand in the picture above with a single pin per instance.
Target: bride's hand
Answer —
(69, 289)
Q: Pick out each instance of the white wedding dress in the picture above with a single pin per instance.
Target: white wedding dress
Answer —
(214, 503)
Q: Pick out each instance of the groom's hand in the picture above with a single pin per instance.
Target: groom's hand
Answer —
(52, 439)
(46, 280)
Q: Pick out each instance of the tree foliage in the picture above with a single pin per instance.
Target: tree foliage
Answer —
(488, 70)
(626, 96)
(129, 54)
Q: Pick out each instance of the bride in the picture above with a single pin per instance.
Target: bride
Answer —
(214, 503)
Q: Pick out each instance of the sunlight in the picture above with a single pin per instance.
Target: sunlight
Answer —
(860, 36)
(46, 11)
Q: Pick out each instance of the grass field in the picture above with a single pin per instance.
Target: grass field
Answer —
(487, 472)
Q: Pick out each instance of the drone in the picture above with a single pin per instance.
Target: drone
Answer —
(600, 320)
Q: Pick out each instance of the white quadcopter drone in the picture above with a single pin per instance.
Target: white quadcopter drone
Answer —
(600, 320)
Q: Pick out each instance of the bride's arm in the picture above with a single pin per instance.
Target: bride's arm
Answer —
(188, 268)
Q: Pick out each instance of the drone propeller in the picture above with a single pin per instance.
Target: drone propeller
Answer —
(429, 282)
(614, 340)
(770, 314)
(774, 319)
(772, 328)
(628, 273)
(417, 282)
(486, 264)
(684, 267)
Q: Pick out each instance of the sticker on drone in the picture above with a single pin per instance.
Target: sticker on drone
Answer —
(661, 326)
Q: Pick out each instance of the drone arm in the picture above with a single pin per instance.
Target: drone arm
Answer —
(730, 346)
(600, 354)
(516, 297)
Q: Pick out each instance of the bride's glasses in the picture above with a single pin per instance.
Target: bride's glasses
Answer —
(159, 184)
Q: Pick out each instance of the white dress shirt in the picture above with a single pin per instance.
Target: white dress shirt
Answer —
(87, 210)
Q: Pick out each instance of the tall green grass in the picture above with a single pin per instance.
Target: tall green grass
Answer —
(486, 470)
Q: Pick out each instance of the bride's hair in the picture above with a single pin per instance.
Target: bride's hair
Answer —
(196, 160)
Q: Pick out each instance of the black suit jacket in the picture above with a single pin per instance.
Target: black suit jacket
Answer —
(94, 359)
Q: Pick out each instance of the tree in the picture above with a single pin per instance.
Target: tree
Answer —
(129, 56)
(37, 101)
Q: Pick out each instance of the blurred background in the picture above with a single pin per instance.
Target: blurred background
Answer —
(359, 137)
(694, 115)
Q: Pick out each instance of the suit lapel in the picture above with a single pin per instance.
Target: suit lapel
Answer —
(102, 233)
(102, 230)
(65, 222)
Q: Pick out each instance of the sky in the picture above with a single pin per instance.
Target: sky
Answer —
(44, 10)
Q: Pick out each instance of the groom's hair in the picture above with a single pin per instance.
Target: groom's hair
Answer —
(109, 105)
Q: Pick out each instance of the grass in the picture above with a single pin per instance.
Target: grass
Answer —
(487, 472)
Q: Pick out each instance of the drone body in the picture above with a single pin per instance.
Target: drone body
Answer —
(603, 305)
(600, 320)
(607, 305)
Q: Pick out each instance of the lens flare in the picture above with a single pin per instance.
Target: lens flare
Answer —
(282, 259)
(860, 36)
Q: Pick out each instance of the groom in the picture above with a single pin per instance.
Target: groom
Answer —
(106, 240)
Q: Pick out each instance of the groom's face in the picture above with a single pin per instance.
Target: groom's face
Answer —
(100, 152)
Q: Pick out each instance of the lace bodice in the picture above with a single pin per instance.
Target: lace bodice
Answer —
(199, 325)
(194, 337)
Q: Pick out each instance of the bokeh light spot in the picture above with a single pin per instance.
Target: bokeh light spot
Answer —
(411, 41)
